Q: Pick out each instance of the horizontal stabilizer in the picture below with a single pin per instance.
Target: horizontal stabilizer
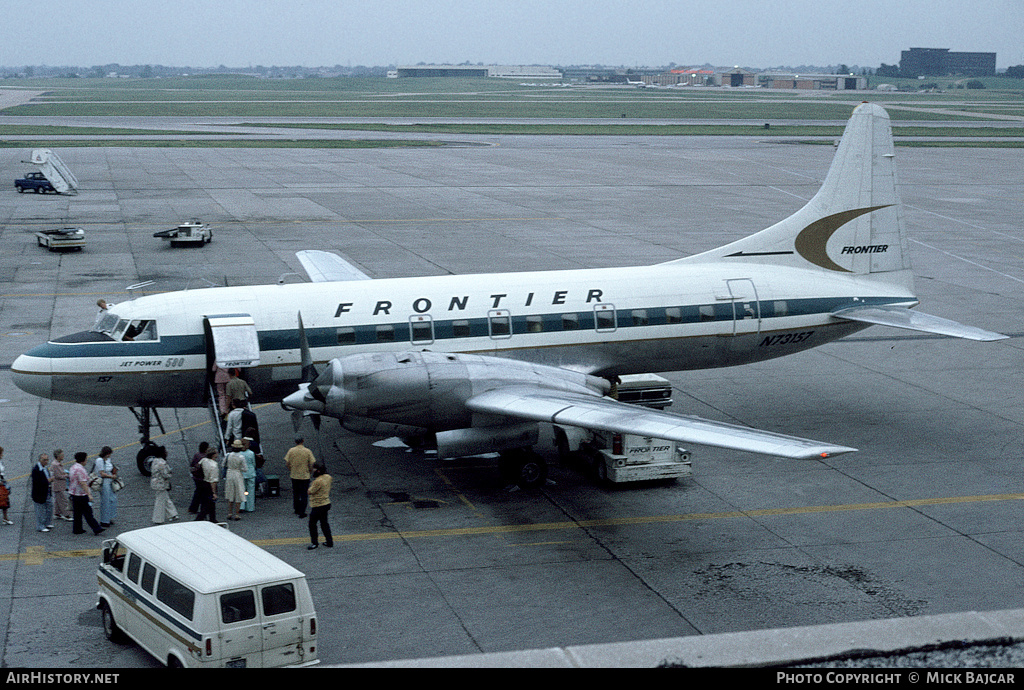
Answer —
(325, 267)
(901, 317)
(605, 414)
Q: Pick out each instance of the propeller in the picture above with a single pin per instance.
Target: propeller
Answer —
(309, 374)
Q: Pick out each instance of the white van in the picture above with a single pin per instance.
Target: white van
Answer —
(195, 595)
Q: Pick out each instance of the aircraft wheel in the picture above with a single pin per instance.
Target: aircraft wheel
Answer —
(145, 458)
(524, 467)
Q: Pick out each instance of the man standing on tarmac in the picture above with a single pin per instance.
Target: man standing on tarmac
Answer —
(300, 461)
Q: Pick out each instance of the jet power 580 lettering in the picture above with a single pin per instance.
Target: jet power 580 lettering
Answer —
(476, 363)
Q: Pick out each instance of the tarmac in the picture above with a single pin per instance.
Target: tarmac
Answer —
(443, 563)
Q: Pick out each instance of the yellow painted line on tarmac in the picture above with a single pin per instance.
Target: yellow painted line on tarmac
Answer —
(35, 555)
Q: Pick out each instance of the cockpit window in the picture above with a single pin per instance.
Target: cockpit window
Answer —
(105, 323)
(125, 329)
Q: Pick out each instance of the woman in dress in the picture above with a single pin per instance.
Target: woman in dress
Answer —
(234, 482)
(61, 504)
(106, 470)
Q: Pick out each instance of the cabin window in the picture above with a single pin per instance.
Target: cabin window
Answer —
(421, 329)
(237, 606)
(534, 324)
(500, 322)
(570, 322)
(604, 317)
(385, 334)
(278, 599)
(460, 328)
(640, 317)
(134, 566)
(176, 596)
(673, 315)
(781, 308)
(148, 577)
(707, 312)
(346, 336)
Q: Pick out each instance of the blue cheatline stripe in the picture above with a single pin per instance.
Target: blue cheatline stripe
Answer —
(455, 328)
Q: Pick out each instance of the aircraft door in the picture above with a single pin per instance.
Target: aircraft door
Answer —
(746, 309)
(231, 341)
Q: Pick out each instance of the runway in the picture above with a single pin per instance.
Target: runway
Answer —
(436, 559)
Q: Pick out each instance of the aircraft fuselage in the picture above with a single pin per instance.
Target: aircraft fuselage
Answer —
(598, 321)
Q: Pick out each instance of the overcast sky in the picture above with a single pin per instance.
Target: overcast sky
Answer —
(755, 33)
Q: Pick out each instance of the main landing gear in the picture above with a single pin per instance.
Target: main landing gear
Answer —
(145, 417)
(524, 467)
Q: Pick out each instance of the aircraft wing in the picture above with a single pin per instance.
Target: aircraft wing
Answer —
(901, 317)
(328, 267)
(605, 414)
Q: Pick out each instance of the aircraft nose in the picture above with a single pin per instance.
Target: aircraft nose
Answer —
(33, 375)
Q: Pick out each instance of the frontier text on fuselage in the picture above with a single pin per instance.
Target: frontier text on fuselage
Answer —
(422, 305)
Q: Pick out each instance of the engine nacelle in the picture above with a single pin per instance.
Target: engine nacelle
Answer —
(404, 393)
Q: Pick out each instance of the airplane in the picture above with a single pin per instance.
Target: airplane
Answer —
(473, 364)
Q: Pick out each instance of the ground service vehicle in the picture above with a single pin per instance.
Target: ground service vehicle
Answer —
(195, 595)
(191, 233)
(35, 182)
(616, 457)
(62, 239)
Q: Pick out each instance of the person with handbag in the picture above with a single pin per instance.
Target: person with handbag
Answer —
(160, 482)
(42, 494)
(5, 491)
(81, 496)
(106, 471)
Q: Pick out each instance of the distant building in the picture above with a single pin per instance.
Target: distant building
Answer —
(811, 82)
(940, 62)
(499, 71)
(736, 77)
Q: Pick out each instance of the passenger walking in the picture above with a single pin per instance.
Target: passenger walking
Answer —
(220, 381)
(197, 475)
(106, 470)
(319, 504)
(42, 495)
(233, 423)
(234, 481)
(160, 482)
(299, 461)
(208, 487)
(81, 496)
(249, 476)
(59, 485)
(237, 389)
(5, 491)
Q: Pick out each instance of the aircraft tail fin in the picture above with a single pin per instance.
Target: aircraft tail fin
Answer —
(854, 224)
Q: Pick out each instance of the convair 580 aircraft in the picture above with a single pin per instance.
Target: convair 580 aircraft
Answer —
(474, 363)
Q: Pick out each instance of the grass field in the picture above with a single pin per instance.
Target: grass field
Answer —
(246, 97)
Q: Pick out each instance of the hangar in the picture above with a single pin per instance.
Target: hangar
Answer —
(498, 71)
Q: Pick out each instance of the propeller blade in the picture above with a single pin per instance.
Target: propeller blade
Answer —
(309, 372)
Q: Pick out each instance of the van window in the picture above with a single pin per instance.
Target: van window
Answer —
(176, 595)
(148, 577)
(237, 606)
(278, 599)
(134, 566)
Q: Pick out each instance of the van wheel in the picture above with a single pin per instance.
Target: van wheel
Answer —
(110, 629)
(174, 662)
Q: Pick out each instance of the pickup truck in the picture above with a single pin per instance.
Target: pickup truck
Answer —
(194, 233)
(62, 239)
(35, 181)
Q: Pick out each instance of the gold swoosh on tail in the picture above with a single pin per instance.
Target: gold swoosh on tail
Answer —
(811, 241)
